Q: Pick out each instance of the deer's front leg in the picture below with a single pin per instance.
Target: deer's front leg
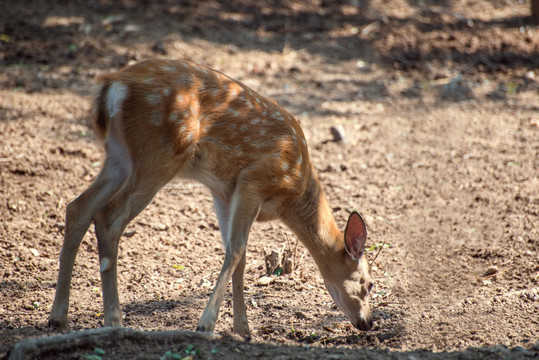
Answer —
(241, 325)
(244, 208)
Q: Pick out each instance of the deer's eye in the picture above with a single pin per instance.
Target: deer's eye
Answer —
(370, 286)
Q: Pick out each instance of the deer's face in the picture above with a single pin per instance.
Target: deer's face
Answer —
(350, 289)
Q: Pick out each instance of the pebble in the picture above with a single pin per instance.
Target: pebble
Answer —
(205, 283)
(60, 225)
(337, 131)
(456, 90)
(129, 234)
(265, 280)
(160, 227)
(491, 270)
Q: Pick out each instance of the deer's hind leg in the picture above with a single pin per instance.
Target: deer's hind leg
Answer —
(146, 179)
(79, 215)
(110, 223)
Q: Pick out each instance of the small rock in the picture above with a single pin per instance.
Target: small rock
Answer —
(160, 227)
(129, 234)
(266, 280)
(113, 19)
(456, 90)
(491, 270)
(160, 48)
(362, 65)
(60, 225)
(531, 295)
(371, 28)
(328, 168)
(300, 315)
(132, 28)
(205, 283)
(337, 132)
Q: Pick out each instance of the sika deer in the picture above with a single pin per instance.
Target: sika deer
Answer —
(163, 118)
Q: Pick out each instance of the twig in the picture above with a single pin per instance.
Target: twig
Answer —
(378, 253)
(294, 252)
(382, 303)
(302, 256)
(35, 348)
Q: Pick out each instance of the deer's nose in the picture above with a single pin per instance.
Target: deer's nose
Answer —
(364, 323)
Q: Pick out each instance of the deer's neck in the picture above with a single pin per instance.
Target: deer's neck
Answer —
(312, 221)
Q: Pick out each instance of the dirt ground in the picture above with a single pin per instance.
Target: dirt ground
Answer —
(439, 102)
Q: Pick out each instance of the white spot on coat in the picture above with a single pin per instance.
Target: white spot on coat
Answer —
(185, 80)
(173, 117)
(156, 118)
(277, 116)
(153, 99)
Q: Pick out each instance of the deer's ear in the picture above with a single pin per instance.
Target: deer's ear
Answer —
(355, 235)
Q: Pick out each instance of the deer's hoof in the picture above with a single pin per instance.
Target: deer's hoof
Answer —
(57, 324)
